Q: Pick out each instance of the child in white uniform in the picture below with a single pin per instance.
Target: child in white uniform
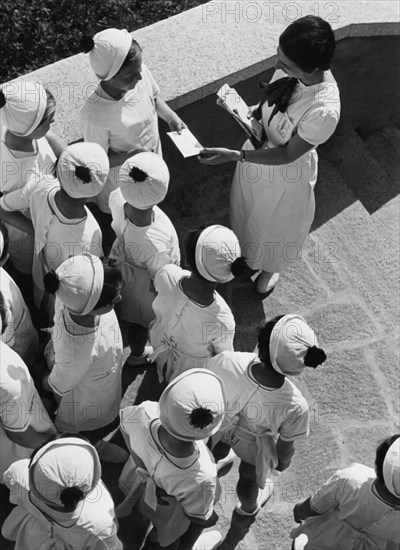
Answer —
(357, 508)
(85, 352)
(20, 333)
(266, 413)
(61, 223)
(24, 422)
(61, 501)
(193, 322)
(146, 241)
(28, 149)
(171, 471)
(121, 115)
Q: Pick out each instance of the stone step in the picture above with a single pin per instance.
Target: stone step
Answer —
(372, 184)
(384, 146)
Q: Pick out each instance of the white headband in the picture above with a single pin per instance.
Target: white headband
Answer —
(111, 47)
(25, 106)
(391, 468)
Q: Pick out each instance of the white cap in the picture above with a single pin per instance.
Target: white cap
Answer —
(24, 108)
(111, 47)
(216, 249)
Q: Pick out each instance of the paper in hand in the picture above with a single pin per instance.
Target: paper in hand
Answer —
(186, 143)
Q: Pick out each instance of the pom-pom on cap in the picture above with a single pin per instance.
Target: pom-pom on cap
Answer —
(82, 169)
(290, 340)
(66, 463)
(144, 180)
(314, 357)
(192, 407)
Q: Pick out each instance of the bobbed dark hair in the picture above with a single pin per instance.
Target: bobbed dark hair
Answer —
(381, 451)
(309, 42)
(239, 267)
(3, 313)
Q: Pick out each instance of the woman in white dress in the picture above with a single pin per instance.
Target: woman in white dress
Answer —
(272, 195)
(356, 509)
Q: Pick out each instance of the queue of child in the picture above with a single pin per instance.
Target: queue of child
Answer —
(51, 462)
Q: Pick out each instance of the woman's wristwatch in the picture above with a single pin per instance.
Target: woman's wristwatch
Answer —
(243, 158)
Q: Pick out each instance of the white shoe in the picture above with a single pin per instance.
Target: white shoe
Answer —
(263, 497)
(208, 540)
(228, 459)
(300, 542)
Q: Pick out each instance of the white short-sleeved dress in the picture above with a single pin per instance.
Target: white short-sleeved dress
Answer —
(17, 168)
(120, 126)
(141, 252)
(57, 238)
(86, 373)
(185, 334)
(256, 415)
(20, 333)
(272, 207)
(94, 528)
(355, 517)
(20, 407)
(173, 486)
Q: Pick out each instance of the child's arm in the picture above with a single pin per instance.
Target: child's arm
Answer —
(171, 118)
(56, 143)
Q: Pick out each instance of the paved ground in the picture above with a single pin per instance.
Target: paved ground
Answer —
(346, 285)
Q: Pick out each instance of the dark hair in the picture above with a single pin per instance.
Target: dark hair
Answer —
(6, 247)
(239, 267)
(112, 280)
(3, 313)
(51, 282)
(263, 339)
(87, 44)
(381, 451)
(309, 42)
(132, 56)
(53, 171)
(3, 99)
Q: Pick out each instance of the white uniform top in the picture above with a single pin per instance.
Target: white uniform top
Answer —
(124, 125)
(185, 334)
(192, 481)
(57, 238)
(141, 252)
(18, 168)
(94, 529)
(272, 207)
(86, 372)
(354, 515)
(20, 333)
(20, 406)
(256, 415)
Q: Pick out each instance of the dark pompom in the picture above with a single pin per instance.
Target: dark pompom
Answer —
(70, 496)
(201, 418)
(51, 282)
(240, 268)
(83, 173)
(87, 44)
(314, 357)
(138, 175)
(3, 99)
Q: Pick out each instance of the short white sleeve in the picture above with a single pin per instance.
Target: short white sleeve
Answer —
(295, 425)
(19, 199)
(155, 89)
(318, 125)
